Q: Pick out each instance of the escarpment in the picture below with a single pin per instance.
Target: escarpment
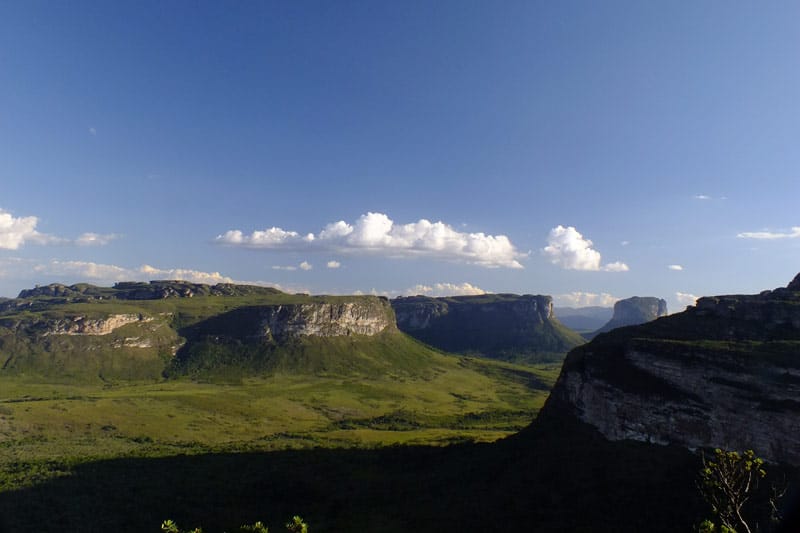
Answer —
(724, 373)
(505, 326)
(327, 319)
(144, 330)
(632, 312)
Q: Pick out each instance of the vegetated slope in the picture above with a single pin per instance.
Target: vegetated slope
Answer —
(584, 319)
(633, 311)
(501, 326)
(143, 330)
(724, 373)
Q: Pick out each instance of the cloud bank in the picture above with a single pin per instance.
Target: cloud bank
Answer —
(567, 248)
(376, 233)
(17, 231)
(110, 273)
(445, 289)
(585, 299)
(793, 233)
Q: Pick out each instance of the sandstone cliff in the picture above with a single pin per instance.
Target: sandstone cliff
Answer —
(632, 312)
(504, 326)
(725, 373)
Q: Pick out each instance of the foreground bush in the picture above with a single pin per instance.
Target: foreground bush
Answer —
(295, 525)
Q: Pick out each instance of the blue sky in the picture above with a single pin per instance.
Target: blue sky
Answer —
(580, 149)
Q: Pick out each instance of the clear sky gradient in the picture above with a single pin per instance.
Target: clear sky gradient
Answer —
(586, 150)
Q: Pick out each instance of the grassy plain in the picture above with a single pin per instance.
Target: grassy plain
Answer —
(46, 428)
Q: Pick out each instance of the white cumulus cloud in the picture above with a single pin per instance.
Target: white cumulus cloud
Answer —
(567, 248)
(305, 265)
(377, 233)
(16, 231)
(585, 299)
(333, 264)
(675, 267)
(685, 298)
(793, 233)
(445, 289)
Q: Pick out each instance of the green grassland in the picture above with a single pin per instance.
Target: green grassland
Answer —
(46, 427)
(188, 378)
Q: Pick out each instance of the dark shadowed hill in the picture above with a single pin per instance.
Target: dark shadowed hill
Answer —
(502, 326)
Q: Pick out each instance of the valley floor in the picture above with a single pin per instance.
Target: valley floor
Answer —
(47, 428)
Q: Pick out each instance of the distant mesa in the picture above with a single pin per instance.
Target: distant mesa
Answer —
(632, 312)
(500, 326)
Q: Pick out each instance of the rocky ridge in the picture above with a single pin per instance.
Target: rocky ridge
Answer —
(724, 373)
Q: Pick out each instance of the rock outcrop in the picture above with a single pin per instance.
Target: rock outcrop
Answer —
(632, 312)
(725, 373)
(326, 319)
(493, 325)
(81, 325)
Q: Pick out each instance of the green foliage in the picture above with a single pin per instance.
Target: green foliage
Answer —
(295, 525)
(168, 526)
(727, 482)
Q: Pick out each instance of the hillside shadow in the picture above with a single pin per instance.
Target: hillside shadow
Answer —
(578, 482)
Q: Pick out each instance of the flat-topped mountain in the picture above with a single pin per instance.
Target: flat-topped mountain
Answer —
(143, 330)
(503, 326)
(632, 312)
(724, 373)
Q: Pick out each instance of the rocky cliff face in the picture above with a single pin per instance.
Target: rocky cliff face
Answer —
(326, 319)
(725, 374)
(495, 325)
(634, 311)
(139, 330)
(81, 325)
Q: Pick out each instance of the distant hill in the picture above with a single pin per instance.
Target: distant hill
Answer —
(500, 326)
(584, 319)
(631, 312)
